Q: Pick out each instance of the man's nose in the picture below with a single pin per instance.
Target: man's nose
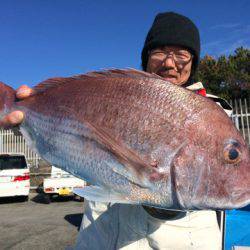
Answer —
(168, 62)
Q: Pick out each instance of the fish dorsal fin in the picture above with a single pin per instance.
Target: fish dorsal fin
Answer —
(52, 83)
(122, 73)
(109, 73)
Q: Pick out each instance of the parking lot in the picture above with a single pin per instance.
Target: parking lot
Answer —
(36, 225)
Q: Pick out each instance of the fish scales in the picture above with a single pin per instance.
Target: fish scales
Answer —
(68, 152)
(138, 139)
(118, 121)
(50, 140)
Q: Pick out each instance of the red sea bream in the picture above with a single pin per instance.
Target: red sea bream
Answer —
(137, 139)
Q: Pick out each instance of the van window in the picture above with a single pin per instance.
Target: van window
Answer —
(12, 162)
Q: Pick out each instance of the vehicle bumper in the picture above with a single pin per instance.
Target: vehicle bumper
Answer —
(13, 189)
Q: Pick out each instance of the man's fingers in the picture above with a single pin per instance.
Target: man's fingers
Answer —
(12, 119)
(16, 117)
(23, 92)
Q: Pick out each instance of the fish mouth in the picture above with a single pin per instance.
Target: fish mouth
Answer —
(237, 199)
(244, 204)
(241, 198)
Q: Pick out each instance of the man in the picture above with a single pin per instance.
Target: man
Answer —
(171, 50)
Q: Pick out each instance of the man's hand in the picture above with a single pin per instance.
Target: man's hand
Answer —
(16, 117)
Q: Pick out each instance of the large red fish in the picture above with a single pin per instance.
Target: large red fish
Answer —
(137, 139)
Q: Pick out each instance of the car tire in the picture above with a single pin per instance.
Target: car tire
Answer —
(24, 198)
(46, 198)
(39, 189)
(78, 198)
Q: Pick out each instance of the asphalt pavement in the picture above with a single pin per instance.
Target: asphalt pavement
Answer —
(36, 225)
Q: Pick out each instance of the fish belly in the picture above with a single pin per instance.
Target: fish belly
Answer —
(67, 144)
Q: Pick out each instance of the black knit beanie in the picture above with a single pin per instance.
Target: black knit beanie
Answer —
(173, 29)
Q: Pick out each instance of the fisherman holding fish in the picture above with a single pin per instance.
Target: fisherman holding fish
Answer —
(171, 51)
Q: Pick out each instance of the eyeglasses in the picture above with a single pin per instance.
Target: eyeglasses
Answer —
(179, 57)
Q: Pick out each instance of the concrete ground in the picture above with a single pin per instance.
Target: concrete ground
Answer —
(36, 225)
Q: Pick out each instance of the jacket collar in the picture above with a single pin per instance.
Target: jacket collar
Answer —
(199, 89)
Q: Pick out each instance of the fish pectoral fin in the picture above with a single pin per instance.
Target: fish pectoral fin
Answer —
(95, 193)
(134, 168)
(143, 180)
(130, 175)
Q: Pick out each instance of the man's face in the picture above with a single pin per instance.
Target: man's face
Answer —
(170, 62)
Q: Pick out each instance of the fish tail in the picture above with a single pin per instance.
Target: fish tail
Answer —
(7, 98)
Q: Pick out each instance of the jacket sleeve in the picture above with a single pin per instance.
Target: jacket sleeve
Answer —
(222, 103)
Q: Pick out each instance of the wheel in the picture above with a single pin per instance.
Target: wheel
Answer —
(46, 198)
(24, 198)
(39, 189)
(78, 198)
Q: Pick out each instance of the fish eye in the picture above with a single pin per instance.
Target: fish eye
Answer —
(232, 153)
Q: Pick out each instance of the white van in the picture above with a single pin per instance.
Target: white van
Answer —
(60, 183)
(14, 176)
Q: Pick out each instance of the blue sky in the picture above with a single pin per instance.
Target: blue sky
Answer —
(47, 38)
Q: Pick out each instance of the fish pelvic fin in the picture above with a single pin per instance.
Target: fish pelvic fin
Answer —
(7, 99)
(99, 194)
